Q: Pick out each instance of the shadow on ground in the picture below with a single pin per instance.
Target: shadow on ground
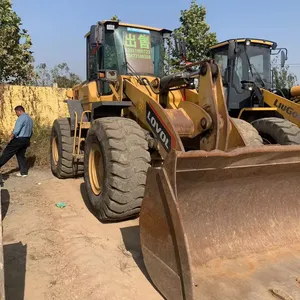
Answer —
(14, 270)
(86, 200)
(130, 236)
(131, 239)
(30, 162)
(5, 200)
(14, 257)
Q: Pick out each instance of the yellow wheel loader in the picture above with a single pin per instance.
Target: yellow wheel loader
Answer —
(247, 77)
(218, 210)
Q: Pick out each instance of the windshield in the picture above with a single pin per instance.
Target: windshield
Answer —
(251, 63)
(221, 58)
(254, 63)
(143, 48)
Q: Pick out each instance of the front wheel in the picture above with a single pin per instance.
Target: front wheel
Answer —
(249, 133)
(115, 167)
(277, 131)
(61, 150)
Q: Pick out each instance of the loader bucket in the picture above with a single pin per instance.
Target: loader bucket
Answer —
(224, 225)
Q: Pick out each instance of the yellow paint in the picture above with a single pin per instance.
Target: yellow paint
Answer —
(288, 109)
(256, 109)
(295, 91)
(254, 41)
(44, 104)
(131, 25)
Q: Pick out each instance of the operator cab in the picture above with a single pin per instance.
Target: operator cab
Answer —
(245, 65)
(115, 48)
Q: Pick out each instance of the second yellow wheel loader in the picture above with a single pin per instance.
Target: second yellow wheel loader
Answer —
(247, 77)
(218, 210)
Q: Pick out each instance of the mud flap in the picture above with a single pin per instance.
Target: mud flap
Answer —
(224, 225)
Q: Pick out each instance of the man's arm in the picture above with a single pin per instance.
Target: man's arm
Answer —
(18, 126)
(11, 137)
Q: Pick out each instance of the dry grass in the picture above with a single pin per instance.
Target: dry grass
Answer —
(40, 145)
(38, 152)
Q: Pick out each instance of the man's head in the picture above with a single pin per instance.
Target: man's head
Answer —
(19, 110)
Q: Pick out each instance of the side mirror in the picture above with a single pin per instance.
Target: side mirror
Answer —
(226, 78)
(209, 53)
(283, 59)
(231, 50)
(180, 46)
(96, 35)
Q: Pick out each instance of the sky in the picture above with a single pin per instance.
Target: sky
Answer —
(57, 27)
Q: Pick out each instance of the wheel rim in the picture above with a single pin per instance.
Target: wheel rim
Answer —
(55, 150)
(96, 169)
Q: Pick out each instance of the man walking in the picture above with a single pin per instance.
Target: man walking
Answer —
(19, 141)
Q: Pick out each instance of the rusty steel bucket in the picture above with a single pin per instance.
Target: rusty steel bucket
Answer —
(224, 225)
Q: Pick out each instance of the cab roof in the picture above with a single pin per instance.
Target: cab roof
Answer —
(132, 25)
(243, 40)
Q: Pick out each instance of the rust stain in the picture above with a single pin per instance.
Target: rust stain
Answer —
(181, 121)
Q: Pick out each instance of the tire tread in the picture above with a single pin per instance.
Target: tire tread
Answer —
(127, 161)
(282, 131)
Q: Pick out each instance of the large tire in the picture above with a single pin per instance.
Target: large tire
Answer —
(115, 167)
(61, 149)
(249, 133)
(277, 131)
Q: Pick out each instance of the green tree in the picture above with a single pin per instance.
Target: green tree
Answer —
(195, 33)
(60, 74)
(16, 59)
(115, 18)
(64, 78)
(42, 76)
(282, 77)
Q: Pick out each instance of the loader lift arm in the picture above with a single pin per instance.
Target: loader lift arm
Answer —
(162, 122)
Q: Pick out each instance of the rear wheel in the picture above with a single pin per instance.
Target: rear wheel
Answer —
(61, 150)
(250, 135)
(115, 164)
(277, 131)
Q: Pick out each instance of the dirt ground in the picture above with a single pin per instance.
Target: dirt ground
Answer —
(66, 253)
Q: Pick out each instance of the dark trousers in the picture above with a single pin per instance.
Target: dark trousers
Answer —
(16, 147)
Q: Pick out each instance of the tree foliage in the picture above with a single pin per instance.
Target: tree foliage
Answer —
(115, 18)
(195, 33)
(16, 60)
(282, 77)
(60, 74)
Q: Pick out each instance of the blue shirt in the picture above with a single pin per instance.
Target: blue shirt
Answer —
(23, 126)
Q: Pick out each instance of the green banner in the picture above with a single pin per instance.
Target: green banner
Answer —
(138, 51)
